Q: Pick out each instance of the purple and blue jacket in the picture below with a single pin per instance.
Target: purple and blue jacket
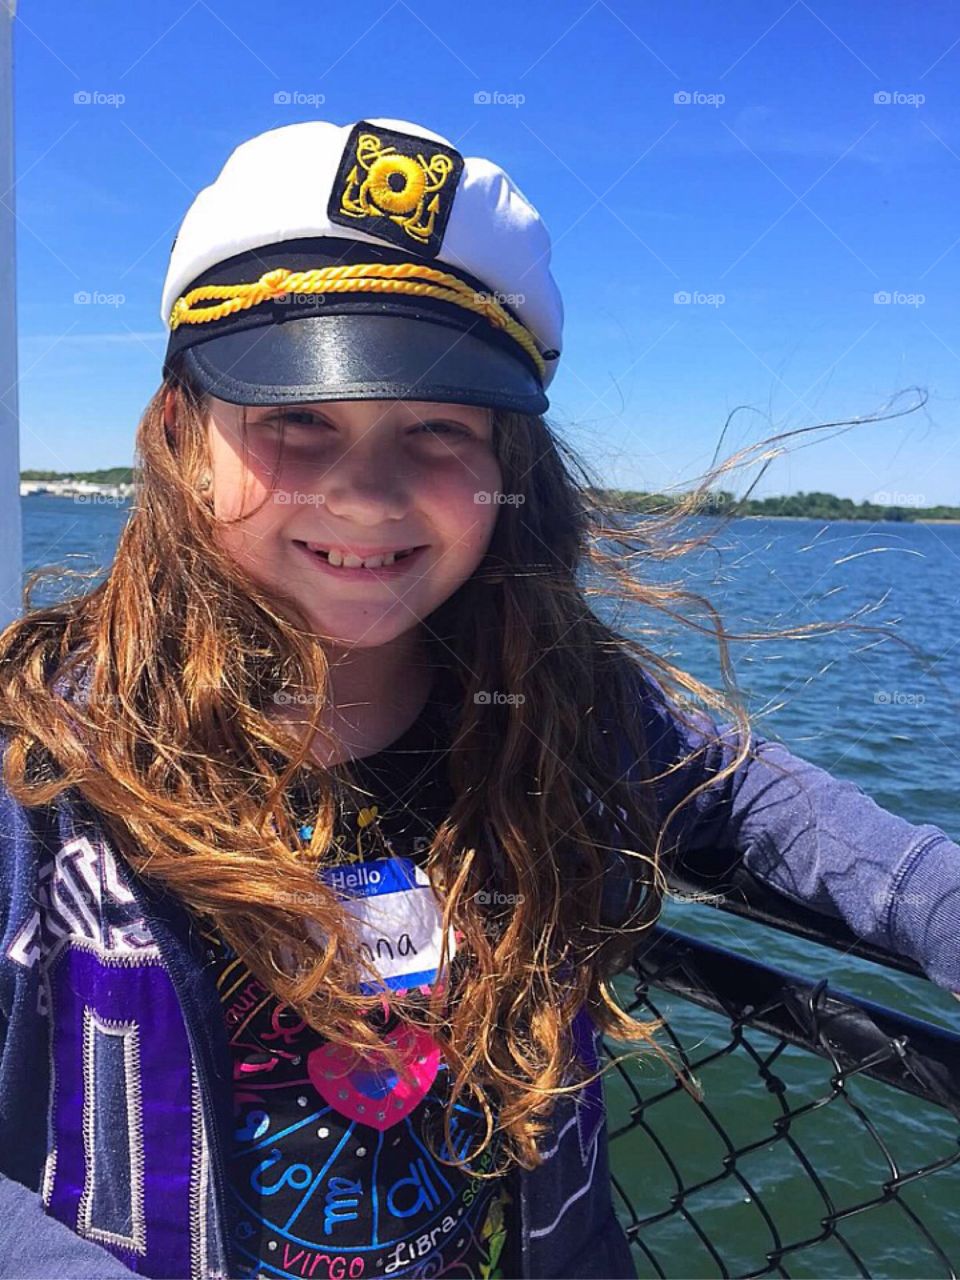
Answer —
(115, 1068)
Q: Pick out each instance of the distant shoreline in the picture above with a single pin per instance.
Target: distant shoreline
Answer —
(855, 519)
(116, 485)
(114, 493)
(108, 493)
(813, 505)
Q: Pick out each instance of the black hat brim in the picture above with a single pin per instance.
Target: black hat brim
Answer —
(361, 357)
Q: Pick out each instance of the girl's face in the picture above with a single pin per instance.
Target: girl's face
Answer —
(365, 477)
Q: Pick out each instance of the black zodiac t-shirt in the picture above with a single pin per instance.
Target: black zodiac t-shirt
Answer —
(332, 1171)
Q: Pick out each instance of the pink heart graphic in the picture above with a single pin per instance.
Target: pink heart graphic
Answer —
(366, 1089)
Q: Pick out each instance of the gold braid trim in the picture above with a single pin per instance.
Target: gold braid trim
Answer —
(359, 277)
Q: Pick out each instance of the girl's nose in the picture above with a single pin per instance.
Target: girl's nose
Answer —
(365, 484)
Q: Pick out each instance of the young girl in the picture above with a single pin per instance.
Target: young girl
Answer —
(328, 817)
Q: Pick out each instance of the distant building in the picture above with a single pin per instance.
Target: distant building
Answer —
(76, 489)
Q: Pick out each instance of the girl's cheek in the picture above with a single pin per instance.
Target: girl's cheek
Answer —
(479, 473)
(235, 501)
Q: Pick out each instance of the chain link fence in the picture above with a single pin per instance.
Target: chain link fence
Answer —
(827, 1139)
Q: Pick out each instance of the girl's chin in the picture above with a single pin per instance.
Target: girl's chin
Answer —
(363, 627)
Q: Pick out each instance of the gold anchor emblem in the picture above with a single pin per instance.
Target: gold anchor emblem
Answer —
(401, 190)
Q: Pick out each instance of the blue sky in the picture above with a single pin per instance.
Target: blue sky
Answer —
(782, 196)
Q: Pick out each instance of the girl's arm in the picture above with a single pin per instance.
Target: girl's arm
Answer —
(816, 838)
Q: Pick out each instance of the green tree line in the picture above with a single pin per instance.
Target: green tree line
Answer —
(812, 506)
(112, 475)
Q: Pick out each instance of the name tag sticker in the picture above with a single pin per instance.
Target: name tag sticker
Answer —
(399, 917)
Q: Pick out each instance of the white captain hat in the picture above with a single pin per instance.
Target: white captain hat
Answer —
(363, 261)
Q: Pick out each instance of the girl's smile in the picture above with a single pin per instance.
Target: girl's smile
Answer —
(382, 569)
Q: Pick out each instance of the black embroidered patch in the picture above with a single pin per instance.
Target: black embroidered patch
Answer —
(397, 186)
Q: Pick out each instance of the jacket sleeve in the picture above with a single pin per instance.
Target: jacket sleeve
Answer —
(33, 1243)
(817, 838)
(35, 1246)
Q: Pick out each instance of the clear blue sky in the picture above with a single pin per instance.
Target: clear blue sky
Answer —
(797, 197)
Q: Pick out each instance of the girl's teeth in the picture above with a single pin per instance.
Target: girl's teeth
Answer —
(354, 562)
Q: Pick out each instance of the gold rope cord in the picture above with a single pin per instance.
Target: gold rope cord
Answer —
(356, 278)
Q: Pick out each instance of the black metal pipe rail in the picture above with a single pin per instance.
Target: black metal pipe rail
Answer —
(719, 878)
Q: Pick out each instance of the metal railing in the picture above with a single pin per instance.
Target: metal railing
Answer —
(827, 1139)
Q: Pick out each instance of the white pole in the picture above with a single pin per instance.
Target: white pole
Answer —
(11, 544)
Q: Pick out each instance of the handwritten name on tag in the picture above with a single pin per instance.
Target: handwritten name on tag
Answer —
(399, 917)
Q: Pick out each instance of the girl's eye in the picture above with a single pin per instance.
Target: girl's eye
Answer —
(297, 416)
(444, 427)
(305, 417)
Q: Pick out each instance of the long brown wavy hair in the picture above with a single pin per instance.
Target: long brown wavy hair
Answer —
(174, 748)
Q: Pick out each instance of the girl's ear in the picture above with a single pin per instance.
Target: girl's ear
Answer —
(169, 419)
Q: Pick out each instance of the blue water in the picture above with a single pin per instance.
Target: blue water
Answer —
(863, 706)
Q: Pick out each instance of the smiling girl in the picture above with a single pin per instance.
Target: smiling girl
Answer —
(329, 816)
